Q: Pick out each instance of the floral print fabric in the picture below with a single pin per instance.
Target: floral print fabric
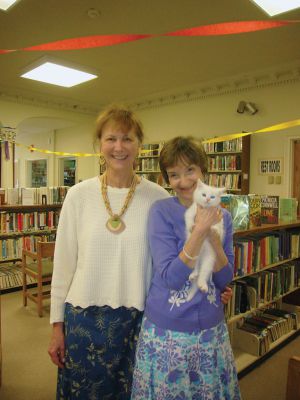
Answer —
(184, 366)
(100, 348)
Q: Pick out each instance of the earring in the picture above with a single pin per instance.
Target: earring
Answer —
(101, 160)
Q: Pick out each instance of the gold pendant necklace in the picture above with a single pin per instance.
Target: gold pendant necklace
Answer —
(115, 224)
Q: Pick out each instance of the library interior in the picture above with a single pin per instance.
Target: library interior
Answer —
(225, 74)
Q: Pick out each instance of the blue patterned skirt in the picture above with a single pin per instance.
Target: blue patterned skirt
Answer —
(100, 348)
(184, 366)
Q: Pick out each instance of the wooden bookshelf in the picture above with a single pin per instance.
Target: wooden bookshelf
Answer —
(229, 164)
(246, 359)
(23, 225)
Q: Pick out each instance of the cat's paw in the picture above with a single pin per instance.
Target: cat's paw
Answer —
(193, 276)
(203, 287)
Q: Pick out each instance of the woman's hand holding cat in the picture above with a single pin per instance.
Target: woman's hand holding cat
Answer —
(206, 217)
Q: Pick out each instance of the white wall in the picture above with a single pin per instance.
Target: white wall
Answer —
(217, 116)
(77, 139)
(208, 117)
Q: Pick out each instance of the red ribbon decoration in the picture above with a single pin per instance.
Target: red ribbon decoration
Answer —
(87, 42)
(230, 28)
(224, 28)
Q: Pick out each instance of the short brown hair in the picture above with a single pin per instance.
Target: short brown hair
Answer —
(120, 117)
(186, 149)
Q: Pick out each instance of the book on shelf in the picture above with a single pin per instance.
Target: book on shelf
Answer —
(239, 209)
(225, 201)
(254, 211)
(28, 196)
(12, 196)
(151, 149)
(2, 196)
(34, 196)
(269, 209)
(288, 209)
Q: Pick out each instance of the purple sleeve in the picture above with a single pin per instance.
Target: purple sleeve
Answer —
(225, 275)
(164, 249)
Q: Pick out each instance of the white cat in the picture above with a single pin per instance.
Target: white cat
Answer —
(205, 196)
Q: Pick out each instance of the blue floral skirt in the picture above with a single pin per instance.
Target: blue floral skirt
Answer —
(184, 366)
(100, 347)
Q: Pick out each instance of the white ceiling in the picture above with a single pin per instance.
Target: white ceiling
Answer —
(146, 69)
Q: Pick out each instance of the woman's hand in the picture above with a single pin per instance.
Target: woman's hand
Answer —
(226, 295)
(206, 217)
(56, 349)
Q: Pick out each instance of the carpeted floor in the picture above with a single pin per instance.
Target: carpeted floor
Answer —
(11, 277)
(29, 374)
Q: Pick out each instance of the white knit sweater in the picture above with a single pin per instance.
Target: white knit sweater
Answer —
(93, 266)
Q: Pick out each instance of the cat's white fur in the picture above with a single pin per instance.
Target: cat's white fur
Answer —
(205, 196)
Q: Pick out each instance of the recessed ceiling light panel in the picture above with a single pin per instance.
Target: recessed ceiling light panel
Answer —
(275, 7)
(56, 74)
(5, 4)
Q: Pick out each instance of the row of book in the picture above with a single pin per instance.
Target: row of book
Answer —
(234, 145)
(256, 290)
(230, 181)
(33, 196)
(255, 252)
(151, 149)
(224, 163)
(259, 331)
(11, 249)
(249, 211)
(15, 222)
(148, 164)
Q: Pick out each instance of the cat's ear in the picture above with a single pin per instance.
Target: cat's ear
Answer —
(199, 183)
(222, 190)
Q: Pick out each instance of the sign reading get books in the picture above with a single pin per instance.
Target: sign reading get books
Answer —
(269, 166)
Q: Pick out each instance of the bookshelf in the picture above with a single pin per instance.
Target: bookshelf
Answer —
(266, 274)
(229, 164)
(0, 348)
(22, 226)
(148, 164)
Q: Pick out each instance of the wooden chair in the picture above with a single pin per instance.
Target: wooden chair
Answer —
(40, 268)
(293, 379)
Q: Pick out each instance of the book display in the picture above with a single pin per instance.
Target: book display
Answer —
(22, 226)
(266, 273)
(228, 164)
(148, 164)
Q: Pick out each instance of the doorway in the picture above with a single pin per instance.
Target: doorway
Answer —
(67, 170)
(296, 173)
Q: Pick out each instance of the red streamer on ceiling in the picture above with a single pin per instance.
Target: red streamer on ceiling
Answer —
(230, 28)
(224, 28)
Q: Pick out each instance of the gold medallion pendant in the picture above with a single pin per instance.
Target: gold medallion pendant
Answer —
(115, 224)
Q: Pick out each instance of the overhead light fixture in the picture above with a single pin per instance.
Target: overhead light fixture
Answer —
(275, 7)
(5, 4)
(247, 106)
(57, 74)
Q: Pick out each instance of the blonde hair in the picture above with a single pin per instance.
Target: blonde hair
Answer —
(119, 117)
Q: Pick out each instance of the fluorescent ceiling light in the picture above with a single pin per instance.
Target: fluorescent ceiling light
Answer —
(56, 74)
(274, 7)
(5, 4)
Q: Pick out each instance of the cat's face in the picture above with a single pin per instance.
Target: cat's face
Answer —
(207, 196)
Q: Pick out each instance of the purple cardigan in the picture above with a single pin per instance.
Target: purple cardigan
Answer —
(166, 304)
